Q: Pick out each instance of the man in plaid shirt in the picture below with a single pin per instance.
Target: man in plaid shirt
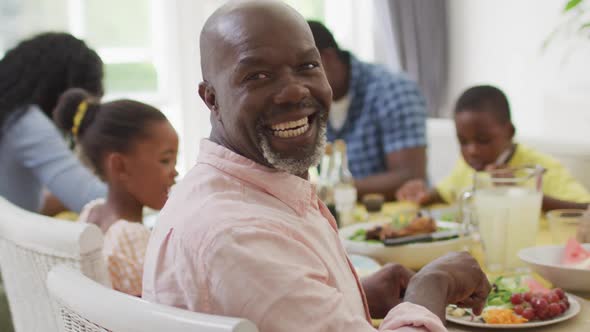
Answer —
(380, 115)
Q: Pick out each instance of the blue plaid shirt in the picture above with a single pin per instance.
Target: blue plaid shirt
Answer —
(387, 113)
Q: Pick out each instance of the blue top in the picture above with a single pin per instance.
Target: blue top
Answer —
(387, 113)
(34, 155)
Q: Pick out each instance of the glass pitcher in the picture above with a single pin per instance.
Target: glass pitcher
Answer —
(505, 208)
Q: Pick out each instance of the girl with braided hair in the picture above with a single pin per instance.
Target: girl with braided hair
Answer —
(33, 153)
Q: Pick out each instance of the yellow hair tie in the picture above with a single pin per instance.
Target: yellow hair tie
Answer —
(79, 116)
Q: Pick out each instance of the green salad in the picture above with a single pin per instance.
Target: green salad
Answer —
(502, 290)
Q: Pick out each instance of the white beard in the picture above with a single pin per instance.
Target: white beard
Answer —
(292, 165)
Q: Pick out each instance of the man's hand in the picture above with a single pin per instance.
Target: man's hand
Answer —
(414, 191)
(468, 284)
(455, 278)
(385, 288)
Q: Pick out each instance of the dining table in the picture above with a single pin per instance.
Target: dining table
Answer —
(580, 323)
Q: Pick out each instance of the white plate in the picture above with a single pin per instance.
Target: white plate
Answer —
(573, 310)
(546, 261)
(413, 256)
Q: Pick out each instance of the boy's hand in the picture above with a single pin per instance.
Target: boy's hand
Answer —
(414, 191)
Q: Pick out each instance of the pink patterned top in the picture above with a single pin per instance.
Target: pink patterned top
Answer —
(124, 249)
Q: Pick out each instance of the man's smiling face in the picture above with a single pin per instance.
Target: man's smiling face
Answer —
(271, 96)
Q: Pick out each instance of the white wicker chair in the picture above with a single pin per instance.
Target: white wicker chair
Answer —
(102, 309)
(30, 245)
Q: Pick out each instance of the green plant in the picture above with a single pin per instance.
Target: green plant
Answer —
(583, 7)
(576, 21)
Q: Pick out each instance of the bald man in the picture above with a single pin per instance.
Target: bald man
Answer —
(244, 234)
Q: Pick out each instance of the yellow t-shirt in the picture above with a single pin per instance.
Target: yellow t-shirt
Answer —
(557, 180)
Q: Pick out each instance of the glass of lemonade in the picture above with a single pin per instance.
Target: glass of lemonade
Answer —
(507, 209)
(564, 224)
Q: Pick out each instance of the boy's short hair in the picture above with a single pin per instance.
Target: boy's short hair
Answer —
(485, 98)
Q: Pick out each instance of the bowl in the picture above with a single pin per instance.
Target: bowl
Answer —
(413, 256)
(546, 261)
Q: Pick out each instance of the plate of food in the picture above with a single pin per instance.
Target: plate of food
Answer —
(407, 238)
(518, 302)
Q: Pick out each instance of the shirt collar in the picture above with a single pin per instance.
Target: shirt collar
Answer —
(292, 190)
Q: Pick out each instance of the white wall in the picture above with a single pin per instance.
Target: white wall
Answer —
(499, 42)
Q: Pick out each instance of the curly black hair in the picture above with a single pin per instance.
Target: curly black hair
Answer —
(38, 70)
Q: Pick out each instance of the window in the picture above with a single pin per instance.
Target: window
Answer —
(23, 18)
(121, 32)
(127, 35)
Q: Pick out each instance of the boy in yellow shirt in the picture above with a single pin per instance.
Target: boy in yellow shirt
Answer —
(485, 132)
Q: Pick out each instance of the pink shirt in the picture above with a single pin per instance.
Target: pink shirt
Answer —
(239, 239)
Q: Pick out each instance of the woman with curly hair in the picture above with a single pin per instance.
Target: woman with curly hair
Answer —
(33, 153)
